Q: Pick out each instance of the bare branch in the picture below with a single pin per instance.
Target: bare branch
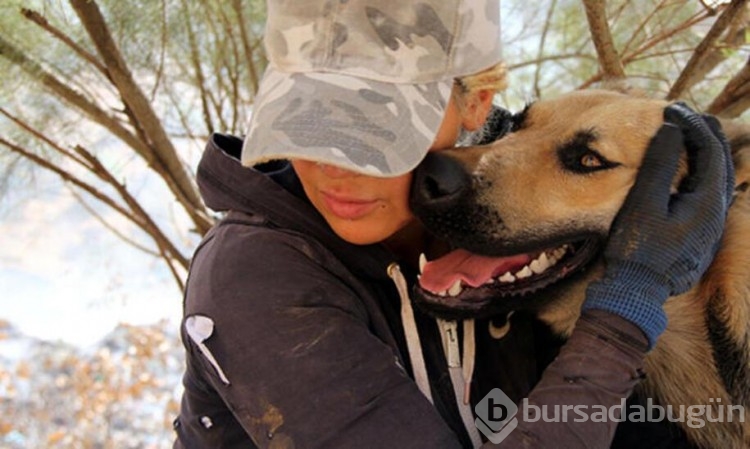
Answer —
(197, 68)
(147, 121)
(548, 58)
(162, 50)
(68, 177)
(540, 49)
(54, 31)
(652, 42)
(609, 60)
(145, 221)
(642, 25)
(735, 96)
(721, 24)
(97, 216)
(734, 39)
(62, 90)
(220, 51)
(91, 163)
(248, 48)
(26, 127)
(231, 66)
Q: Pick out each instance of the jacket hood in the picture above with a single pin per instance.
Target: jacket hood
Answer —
(226, 185)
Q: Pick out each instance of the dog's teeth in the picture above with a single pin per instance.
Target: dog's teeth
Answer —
(540, 264)
(507, 277)
(524, 273)
(422, 262)
(490, 281)
(443, 293)
(455, 289)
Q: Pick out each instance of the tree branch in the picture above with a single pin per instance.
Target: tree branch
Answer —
(91, 163)
(540, 49)
(654, 41)
(38, 19)
(198, 70)
(111, 228)
(248, 48)
(146, 119)
(67, 94)
(609, 60)
(733, 99)
(146, 222)
(69, 177)
(708, 42)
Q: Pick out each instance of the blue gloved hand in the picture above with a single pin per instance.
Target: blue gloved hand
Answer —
(661, 244)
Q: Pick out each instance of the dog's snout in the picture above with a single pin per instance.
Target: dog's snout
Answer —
(439, 179)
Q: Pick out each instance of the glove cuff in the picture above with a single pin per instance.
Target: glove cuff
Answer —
(636, 294)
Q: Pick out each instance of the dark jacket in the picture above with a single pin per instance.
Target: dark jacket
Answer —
(293, 338)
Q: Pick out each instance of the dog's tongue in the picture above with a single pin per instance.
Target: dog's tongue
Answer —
(474, 270)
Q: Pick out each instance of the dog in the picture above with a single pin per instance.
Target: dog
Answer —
(529, 213)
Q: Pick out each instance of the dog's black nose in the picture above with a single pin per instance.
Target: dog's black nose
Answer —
(438, 180)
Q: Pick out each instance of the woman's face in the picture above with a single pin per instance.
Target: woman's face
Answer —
(364, 209)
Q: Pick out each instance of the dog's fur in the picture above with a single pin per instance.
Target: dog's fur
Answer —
(533, 189)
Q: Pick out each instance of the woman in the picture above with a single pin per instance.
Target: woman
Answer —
(298, 329)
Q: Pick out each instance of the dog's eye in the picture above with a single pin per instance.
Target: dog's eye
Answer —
(591, 160)
(578, 155)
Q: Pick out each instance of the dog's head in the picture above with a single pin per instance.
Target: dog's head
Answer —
(531, 210)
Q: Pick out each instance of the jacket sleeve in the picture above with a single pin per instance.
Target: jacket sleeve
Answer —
(291, 354)
(599, 366)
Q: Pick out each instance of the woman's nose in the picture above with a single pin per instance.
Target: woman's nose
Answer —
(335, 172)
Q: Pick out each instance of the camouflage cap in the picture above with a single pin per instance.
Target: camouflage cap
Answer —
(363, 84)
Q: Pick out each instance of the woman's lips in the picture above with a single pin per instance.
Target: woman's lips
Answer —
(348, 208)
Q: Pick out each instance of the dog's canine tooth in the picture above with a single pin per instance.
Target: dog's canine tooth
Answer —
(524, 273)
(507, 278)
(443, 293)
(455, 289)
(422, 262)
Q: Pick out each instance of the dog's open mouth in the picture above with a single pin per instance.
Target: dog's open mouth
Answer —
(461, 281)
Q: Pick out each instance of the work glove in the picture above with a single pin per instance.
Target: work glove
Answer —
(660, 244)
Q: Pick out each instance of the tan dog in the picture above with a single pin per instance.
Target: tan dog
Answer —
(538, 206)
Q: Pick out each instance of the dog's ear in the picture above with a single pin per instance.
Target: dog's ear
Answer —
(499, 123)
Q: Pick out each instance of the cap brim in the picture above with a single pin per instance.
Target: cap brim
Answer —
(372, 127)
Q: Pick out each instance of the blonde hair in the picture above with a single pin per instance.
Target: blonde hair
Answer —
(465, 87)
(493, 78)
